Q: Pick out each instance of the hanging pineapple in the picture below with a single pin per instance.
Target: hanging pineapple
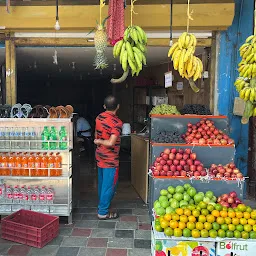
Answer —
(100, 42)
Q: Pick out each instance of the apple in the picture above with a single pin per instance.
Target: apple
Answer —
(183, 173)
(230, 142)
(214, 171)
(166, 168)
(192, 168)
(174, 150)
(169, 173)
(192, 156)
(197, 174)
(199, 168)
(176, 162)
(216, 132)
(227, 175)
(232, 165)
(187, 133)
(229, 170)
(179, 168)
(201, 141)
(200, 129)
(222, 170)
(233, 194)
(167, 151)
(239, 175)
(216, 142)
(171, 156)
(159, 168)
(219, 137)
(196, 162)
(233, 175)
(169, 162)
(189, 125)
(230, 200)
(224, 197)
(182, 162)
(178, 156)
(186, 168)
(177, 173)
(173, 168)
(198, 136)
(158, 159)
(187, 151)
(190, 162)
(209, 141)
(236, 171)
(162, 173)
(189, 130)
(162, 154)
(156, 173)
(203, 173)
(181, 151)
(185, 156)
(219, 175)
(165, 156)
(162, 162)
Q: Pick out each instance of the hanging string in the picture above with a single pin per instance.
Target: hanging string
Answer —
(102, 4)
(132, 10)
(189, 17)
(170, 23)
(255, 17)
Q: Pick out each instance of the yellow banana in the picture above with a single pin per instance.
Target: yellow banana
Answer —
(193, 71)
(201, 65)
(181, 62)
(249, 57)
(194, 39)
(242, 93)
(182, 40)
(134, 36)
(252, 95)
(176, 54)
(247, 94)
(197, 74)
(127, 34)
(254, 112)
(248, 39)
(243, 46)
(117, 48)
(249, 74)
(124, 60)
(240, 69)
(132, 65)
(142, 34)
(122, 52)
(189, 65)
(187, 41)
(173, 48)
(141, 47)
(188, 53)
(247, 52)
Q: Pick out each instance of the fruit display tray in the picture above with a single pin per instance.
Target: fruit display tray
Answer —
(219, 187)
(207, 155)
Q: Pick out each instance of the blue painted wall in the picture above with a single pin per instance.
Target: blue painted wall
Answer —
(230, 42)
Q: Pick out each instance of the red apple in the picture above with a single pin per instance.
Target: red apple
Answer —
(176, 162)
(181, 151)
(201, 141)
(236, 171)
(174, 150)
(165, 156)
(173, 168)
(230, 142)
(196, 162)
(189, 125)
(227, 175)
(162, 154)
(187, 151)
(203, 173)
(182, 162)
(199, 168)
(200, 129)
(169, 162)
(232, 165)
(192, 156)
(189, 130)
(233, 175)
(239, 175)
(233, 194)
(178, 156)
(190, 161)
(234, 205)
(169, 173)
(166, 168)
(216, 142)
(158, 159)
(179, 168)
(167, 151)
(177, 173)
(159, 168)
(209, 141)
(219, 175)
(216, 132)
(197, 174)
(162, 162)
(171, 156)
(222, 170)
(224, 197)
(192, 168)
(156, 173)
(219, 137)
(198, 136)
(163, 173)
(185, 156)
(214, 171)
(183, 173)
(229, 170)
(186, 168)
(230, 200)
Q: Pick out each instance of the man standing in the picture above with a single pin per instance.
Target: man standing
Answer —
(107, 138)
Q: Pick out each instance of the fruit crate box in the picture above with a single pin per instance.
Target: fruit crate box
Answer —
(218, 187)
(30, 228)
(207, 155)
(179, 123)
(161, 245)
(236, 248)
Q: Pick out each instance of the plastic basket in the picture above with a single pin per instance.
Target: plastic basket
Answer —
(30, 228)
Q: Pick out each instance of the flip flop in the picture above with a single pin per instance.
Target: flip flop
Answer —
(53, 113)
(63, 112)
(110, 216)
(70, 110)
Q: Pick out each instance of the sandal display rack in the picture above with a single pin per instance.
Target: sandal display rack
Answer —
(62, 185)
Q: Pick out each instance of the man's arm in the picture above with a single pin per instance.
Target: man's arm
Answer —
(107, 143)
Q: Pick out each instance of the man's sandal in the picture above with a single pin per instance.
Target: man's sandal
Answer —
(109, 216)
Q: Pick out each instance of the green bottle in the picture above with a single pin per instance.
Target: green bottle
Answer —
(63, 138)
(45, 137)
(53, 137)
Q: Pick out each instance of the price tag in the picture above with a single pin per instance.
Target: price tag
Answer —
(180, 86)
(168, 79)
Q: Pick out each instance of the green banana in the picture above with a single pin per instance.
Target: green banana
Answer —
(137, 59)
(124, 60)
(129, 50)
(122, 52)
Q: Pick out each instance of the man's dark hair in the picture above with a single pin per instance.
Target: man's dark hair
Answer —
(111, 103)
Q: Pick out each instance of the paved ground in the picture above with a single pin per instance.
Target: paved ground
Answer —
(127, 236)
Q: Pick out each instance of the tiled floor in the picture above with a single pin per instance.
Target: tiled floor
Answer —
(87, 236)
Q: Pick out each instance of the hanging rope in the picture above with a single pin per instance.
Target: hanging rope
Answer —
(189, 17)
(102, 4)
(132, 10)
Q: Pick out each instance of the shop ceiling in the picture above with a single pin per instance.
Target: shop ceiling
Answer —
(96, 2)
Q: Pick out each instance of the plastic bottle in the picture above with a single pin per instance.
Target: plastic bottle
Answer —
(53, 137)
(50, 195)
(37, 164)
(44, 165)
(24, 165)
(18, 164)
(33, 137)
(24, 198)
(58, 164)
(63, 138)
(16, 193)
(42, 198)
(30, 192)
(31, 164)
(35, 199)
(8, 198)
(7, 138)
(21, 133)
(2, 193)
(51, 160)
(11, 165)
(45, 137)
(5, 169)
(12, 138)
(2, 143)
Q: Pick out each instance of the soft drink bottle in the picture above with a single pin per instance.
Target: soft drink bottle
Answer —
(53, 137)
(0, 164)
(7, 138)
(18, 164)
(23, 197)
(8, 198)
(63, 138)
(50, 195)
(11, 165)
(30, 192)
(45, 137)
(33, 137)
(44, 165)
(58, 164)
(2, 137)
(26, 138)
(5, 169)
(31, 164)
(16, 194)
(24, 164)
(35, 199)
(51, 165)
(42, 198)
(38, 164)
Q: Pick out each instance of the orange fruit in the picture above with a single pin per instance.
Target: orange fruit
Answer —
(179, 211)
(241, 207)
(239, 215)
(210, 218)
(196, 213)
(235, 221)
(247, 228)
(184, 218)
(195, 233)
(199, 225)
(202, 218)
(161, 218)
(215, 213)
(228, 220)
(182, 225)
(247, 215)
(251, 222)
(231, 214)
(253, 214)
(175, 217)
(177, 232)
(164, 224)
(191, 225)
(207, 226)
(204, 233)
(168, 217)
(231, 227)
(243, 221)
(204, 212)
(187, 212)
(174, 224)
(220, 220)
(223, 214)
(192, 218)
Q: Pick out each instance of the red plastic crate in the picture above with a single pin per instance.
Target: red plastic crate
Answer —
(30, 228)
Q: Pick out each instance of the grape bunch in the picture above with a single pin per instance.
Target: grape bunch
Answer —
(168, 137)
(164, 109)
(195, 109)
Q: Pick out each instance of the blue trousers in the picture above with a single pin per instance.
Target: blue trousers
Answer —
(107, 182)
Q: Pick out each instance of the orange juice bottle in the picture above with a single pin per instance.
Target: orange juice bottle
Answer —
(11, 165)
(24, 164)
(1, 165)
(4, 164)
(31, 164)
(37, 164)
(18, 165)
(51, 165)
(58, 164)
(44, 165)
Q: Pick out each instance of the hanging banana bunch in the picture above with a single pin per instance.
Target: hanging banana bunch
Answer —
(246, 82)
